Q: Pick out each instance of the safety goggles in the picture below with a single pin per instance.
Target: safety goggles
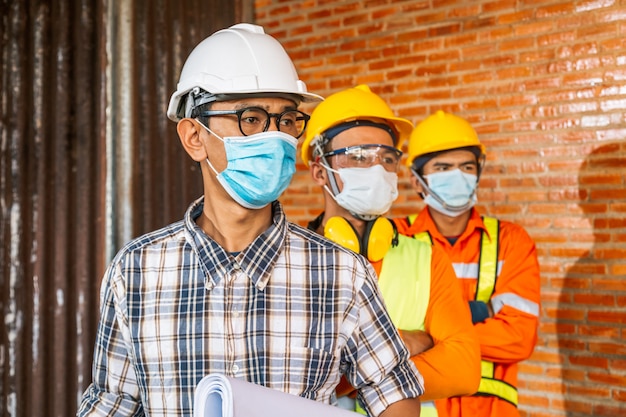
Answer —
(365, 156)
(254, 120)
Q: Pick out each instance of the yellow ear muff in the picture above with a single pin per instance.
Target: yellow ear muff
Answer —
(374, 244)
(379, 236)
(340, 231)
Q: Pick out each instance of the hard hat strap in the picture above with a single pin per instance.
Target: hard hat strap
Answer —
(331, 177)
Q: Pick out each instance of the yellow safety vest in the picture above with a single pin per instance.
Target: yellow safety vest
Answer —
(407, 295)
(487, 275)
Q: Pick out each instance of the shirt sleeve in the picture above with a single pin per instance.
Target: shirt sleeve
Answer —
(452, 366)
(379, 362)
(511, 334)
(114, 390)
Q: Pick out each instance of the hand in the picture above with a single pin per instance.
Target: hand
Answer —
(417, 341)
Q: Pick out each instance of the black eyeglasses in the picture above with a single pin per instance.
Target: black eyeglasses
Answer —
(256, 120)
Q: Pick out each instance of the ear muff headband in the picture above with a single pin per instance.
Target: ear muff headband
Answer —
(377, 238)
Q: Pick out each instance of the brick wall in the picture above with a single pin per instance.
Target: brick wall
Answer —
(544, 84)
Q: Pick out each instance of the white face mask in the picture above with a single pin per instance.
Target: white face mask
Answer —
(451, 192)
(367, 192)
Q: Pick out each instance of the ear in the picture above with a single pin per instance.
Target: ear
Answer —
(318, 173)
(189, 132)
(416, 185)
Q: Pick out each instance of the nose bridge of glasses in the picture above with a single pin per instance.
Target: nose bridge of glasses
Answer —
(276, 118)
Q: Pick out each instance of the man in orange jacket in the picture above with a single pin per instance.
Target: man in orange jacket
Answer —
(351, 147)
(495, 261)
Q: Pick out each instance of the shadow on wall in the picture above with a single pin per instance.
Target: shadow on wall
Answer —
(592, 307)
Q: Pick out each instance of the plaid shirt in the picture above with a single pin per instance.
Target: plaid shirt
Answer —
(293, 311)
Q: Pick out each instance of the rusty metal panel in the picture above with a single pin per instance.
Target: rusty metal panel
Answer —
(58, 120)
(51, 193)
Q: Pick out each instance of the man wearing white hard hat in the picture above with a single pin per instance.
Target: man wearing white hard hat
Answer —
(234, 288)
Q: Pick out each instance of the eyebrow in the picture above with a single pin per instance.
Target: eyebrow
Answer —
(448, 164)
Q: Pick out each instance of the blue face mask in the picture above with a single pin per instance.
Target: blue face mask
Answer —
(451, 192)
(259, 168)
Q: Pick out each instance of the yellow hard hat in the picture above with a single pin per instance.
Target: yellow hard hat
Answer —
(441, 131)
(357, 103)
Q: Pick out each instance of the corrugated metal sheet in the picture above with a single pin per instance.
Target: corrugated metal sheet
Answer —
(81, 83)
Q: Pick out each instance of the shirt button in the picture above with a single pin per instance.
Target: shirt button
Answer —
(235, 313)
(235, 368)
(236, 266)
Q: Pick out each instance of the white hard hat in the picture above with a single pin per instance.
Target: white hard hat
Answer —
(239, 60)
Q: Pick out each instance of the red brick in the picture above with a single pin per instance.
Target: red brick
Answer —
(619, 395)
(577, 406)
(608, 348)
(588, 361)
(607, 316)
(588, 391)
(610, 254)
(554, 10)
(597, 299)
(599, 331)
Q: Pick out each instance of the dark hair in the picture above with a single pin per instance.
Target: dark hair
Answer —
(420, 161)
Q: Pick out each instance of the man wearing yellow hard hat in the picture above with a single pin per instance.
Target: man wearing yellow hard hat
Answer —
(352, 147)
(495, 261)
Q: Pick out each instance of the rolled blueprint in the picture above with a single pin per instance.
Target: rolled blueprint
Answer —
(217, 395)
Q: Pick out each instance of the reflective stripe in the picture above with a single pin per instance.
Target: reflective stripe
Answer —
(465, 271)
(495, 387)
(487, 276)
(470, 270)
(515, 301)
(488, 260)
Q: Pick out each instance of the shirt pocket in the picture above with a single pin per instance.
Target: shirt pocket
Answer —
(307, 372)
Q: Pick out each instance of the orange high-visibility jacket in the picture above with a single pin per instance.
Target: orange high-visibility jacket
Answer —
(511, 334)
(452, 365)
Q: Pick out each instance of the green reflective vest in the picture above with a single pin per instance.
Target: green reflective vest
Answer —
(404, 282)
